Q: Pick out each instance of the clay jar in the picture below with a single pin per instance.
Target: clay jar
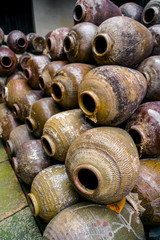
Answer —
(30, 160)
(78, 42)
(150, 67)
(148, 189)
(48, 73)
(151, 13)
(8, 123)
(51, 192)
(155, 31)
(54, 43)
(61, 130)
(18, 136)
(34, 68)
(40, 112)
(103, 164)
(92, 221)
(121, 41)
(132, 10)
(64, 88)
(144, 128)
(109, 95)
(17, 41)
(36, 43)
(94, 11)
(8, 61)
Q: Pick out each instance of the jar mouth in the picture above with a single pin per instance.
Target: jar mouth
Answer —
(9, 147)
(32, 202)
(6, 62)
(39, 44)
(21, 43)
(79, 13)
(87, 179)
(16, 110)
(27, 73)
(31, 124)
(89, 103)
(48, 145)
(49, 44)
(42, 84)
(101, 44)
(68, 44)
(57, 91)
(149, 15)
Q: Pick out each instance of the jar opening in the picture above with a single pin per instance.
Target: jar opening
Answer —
(68, 44)
(149, 15)
(48, 145)
(78, 13)
(27, 73)
(87, 104)
(49, 45)
(6, 62)
(56, 92)
(88, 179)
(29, 124)
(41, 83)
(100, 45)
(21, 43)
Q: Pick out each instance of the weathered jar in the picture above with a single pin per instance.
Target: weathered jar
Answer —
(40, 112)
(36, 43)
(8, 61)
(64, 88)
(109, 95)
(78, 42)
(151, 13)
(30, 160)
(61, 130)
(132, 10)
(48, 73)
(155, 31)
(54, 43)
(23, 60)
(121, 41)
(17, 41)
(90, 221)
(144, 128)
(51, 192)
(94, 11)
(103, 164)
(34, 68)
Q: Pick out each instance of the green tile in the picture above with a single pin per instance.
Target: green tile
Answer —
(3, 154)
(20, 226)
(12, 198)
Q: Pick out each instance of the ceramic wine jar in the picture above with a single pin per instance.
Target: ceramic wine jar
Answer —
(8, 123)
(22, 108)
(30, 160)
(40, 112)
(94, 11)
(8, 61)
(15, 90)
(78, 42)
(93, 221)
(61, 130)
(144, 128)
(150, 67)
(54, 43)
(103, 164)
(132, 10)
(34, 68)
(148, 189)
(17, 137)
(51, 192)
(23, 60)
(36, 43)
(48, 73)
(151, 13)
(121, 41)
(108, 95)
(64, 88)
(17, 41)
(155, 31)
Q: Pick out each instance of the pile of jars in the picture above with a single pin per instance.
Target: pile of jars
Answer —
(80, 118)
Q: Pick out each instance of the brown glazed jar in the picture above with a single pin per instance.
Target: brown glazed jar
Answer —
(48, 73)
(8, 61)
(18, 136)
(148, 189)
(144, 128)
(22, 108)
(54, 43)
(51, 192)
(8, 123)
(103, 164)
(2, 36)
(36, 43)
(30, 160)
(151, 13)
(34, 68)
(150, 67)
(78, 42)
(17, 41)
(121, 41)
(64, 88)
(15, 90)
(132, 10)
(90, 221)
(109, 95)
(94, 11)
(61, 130)
(23, 60)
(155, 31)
(40, 112)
